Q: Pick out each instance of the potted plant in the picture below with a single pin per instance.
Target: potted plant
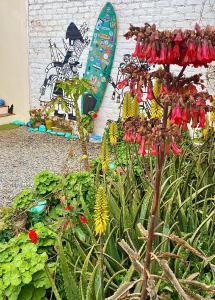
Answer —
(37, 117)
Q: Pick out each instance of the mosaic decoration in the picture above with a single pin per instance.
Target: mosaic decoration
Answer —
(64, 65)
(100, 58)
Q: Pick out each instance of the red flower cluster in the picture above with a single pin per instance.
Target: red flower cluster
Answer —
(68, 207)
(33, 236)
(181, 47)
(94, 116)
(194, 113)
(122, 84)
(83, 220)
(151, 148)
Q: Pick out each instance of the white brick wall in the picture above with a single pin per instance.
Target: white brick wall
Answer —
(50, 18)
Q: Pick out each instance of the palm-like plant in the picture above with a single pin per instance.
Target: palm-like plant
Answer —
(74, 89)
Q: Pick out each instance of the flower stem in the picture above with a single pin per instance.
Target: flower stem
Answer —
(81, 134)
(155, 205)
(102, 268)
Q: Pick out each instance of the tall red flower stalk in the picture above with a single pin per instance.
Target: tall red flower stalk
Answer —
(182, 100)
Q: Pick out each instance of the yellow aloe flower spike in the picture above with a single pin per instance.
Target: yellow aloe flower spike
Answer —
(135, 109)
(212, 113)
(113, 133)
(126, 107)
(205, 130)
(142, 115)
(156, 111)
(101, 211)
(212, 116)
(104, 154)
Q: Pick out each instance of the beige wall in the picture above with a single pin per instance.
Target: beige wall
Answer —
(14, 77)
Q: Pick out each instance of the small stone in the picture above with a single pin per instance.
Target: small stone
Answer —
(42, 128)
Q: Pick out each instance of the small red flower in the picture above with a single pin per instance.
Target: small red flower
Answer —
(138, 138)
(153, 56)
(175, 149)
(127, 136)
(178, 37)
(68, 207)
(176, 117)
(202, 118)
(94, 116)
(153, 150)
(176, 52)
(66, 224)
(139, 95)
(142, 149)
(122, 84)
(150, 94)
(83, 220)
(33, 236)
(162, 59)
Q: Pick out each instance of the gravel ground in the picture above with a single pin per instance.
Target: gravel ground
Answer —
(24, 154)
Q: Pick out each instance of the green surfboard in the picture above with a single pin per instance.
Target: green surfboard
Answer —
(100, 58)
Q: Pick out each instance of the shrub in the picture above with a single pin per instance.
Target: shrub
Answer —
(23, 200)
(46, 182)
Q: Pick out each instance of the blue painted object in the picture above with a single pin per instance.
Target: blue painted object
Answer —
(42, 128)
(28, 124)
(53, 132)
(17, 122)
(112, 166)
(2, 102)
(30, 129)
(96, 138)
(68, 135)
(49, 131)
(60, 133)
(39, 208)
(74, 137)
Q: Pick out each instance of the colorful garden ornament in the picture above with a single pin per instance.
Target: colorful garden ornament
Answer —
(2, 102)
(100, 58)
(39, 208)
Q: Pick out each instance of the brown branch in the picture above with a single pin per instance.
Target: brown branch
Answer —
(172, 278)
(154, 209)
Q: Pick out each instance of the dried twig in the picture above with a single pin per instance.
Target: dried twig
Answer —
(172, 278)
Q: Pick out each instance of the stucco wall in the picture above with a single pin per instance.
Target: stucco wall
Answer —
(50, 18)
(14, 75)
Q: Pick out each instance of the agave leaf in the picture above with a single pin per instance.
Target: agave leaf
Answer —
(83, 278)
(90, 291)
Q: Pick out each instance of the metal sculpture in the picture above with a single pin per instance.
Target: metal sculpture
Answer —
(64, 66)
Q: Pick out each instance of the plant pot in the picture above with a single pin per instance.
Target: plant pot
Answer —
(49, 124)
(36, 124)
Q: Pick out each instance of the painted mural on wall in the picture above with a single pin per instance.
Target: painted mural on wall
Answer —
(120, 85)
(100, 58)
(64, 64)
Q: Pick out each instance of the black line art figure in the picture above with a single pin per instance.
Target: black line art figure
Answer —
(64, 66)
(118, 94)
